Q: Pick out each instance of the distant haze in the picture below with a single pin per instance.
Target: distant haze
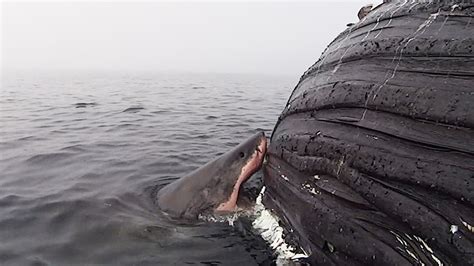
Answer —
(282, 38)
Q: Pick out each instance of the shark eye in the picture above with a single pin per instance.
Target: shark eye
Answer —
(242, 154)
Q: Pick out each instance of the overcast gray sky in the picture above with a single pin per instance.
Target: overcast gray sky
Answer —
(228, 37)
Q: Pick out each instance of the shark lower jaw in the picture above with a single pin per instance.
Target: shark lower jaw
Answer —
(252, 166)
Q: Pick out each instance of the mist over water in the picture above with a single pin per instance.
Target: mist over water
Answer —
(273, 37)
(83, 153)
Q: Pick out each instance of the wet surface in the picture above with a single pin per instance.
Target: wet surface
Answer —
(375, 145)
(83, 154)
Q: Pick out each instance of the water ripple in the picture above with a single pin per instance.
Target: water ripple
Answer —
(83, 155)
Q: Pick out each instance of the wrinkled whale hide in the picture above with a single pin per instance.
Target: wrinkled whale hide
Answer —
(215, 186)
(372, 159)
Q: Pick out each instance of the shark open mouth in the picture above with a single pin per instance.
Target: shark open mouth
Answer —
(253, 165)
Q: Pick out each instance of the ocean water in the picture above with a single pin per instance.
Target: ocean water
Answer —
(82, 155)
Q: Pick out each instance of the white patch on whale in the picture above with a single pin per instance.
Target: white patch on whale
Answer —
(468, 226)
(453, 229)
(420, 241)
(266, 224)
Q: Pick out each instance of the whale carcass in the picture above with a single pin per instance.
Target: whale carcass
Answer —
(372, 159)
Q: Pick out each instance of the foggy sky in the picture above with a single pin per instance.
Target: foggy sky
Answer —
(224, 37)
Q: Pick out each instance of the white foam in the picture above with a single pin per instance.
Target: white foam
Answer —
(267, 225)
(227, 218)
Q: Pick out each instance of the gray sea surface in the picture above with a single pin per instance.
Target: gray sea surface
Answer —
(82, 155)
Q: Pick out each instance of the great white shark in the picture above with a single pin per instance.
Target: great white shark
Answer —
(215, 186)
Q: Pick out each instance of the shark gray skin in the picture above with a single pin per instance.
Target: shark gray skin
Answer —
(215, 186)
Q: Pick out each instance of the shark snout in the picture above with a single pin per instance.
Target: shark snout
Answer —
(261, 147)
(247, 170)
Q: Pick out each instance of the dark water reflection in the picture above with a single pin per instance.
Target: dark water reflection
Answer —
(82, 154)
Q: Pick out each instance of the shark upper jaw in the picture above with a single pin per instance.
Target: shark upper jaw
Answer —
(252, 166)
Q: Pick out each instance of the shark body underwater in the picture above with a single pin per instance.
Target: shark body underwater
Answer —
(215, 186)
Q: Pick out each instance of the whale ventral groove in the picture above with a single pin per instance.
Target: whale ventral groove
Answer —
(376, 142)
